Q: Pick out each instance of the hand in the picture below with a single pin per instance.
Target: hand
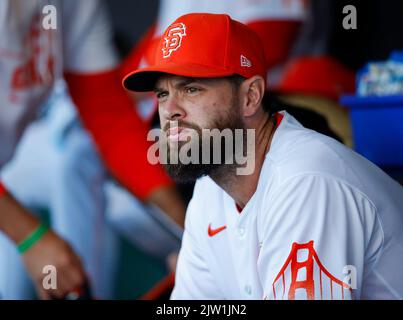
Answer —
(17, 222)
(52, 250)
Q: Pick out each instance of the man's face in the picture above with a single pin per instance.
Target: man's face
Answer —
(187, 103)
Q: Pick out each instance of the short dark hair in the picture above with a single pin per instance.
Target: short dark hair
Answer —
(236, 80)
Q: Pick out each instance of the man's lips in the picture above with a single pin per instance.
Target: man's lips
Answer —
(177, 134)
(174, 131)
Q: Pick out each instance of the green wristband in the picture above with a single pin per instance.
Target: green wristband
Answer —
(31, 239)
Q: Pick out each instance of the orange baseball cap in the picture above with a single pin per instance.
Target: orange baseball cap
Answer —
(317, 75)
(202, 45)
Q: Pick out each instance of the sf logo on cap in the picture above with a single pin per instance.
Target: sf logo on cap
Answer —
(173, 39)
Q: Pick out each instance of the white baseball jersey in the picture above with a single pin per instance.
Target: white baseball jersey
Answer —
(323, 223)
(32, 56)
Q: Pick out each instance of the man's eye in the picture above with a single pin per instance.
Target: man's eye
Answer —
(191, 89)
(161, 95)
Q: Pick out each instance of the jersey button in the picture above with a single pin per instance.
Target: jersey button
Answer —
(248, 290)
(241, 232)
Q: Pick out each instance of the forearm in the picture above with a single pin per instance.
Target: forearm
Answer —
(15, 221)
(169, 201)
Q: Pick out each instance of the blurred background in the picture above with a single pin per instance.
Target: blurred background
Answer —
(344, 79)
(315, 55)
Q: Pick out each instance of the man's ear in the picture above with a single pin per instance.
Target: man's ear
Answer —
(252, 91)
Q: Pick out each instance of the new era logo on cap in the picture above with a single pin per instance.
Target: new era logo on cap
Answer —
(173, 39)
(245, 62)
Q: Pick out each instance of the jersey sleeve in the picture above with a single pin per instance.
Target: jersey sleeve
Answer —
(87, 37)
(193, 280)
(316, 234)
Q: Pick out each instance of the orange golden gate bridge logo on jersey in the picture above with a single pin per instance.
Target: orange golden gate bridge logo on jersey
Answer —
(316, 280)
(173, 39)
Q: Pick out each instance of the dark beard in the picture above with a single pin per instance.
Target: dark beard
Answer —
(188, 173)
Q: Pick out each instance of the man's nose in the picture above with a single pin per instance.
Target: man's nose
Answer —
(173, 109)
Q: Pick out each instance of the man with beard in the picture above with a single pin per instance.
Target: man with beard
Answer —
(314, 220)
(193, 151)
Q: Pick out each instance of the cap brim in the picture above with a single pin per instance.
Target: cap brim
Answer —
(145, 79)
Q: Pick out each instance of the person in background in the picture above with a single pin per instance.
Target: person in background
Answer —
(79, 50)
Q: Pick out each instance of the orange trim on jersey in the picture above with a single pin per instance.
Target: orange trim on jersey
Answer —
(279, 117)
(3, 189)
